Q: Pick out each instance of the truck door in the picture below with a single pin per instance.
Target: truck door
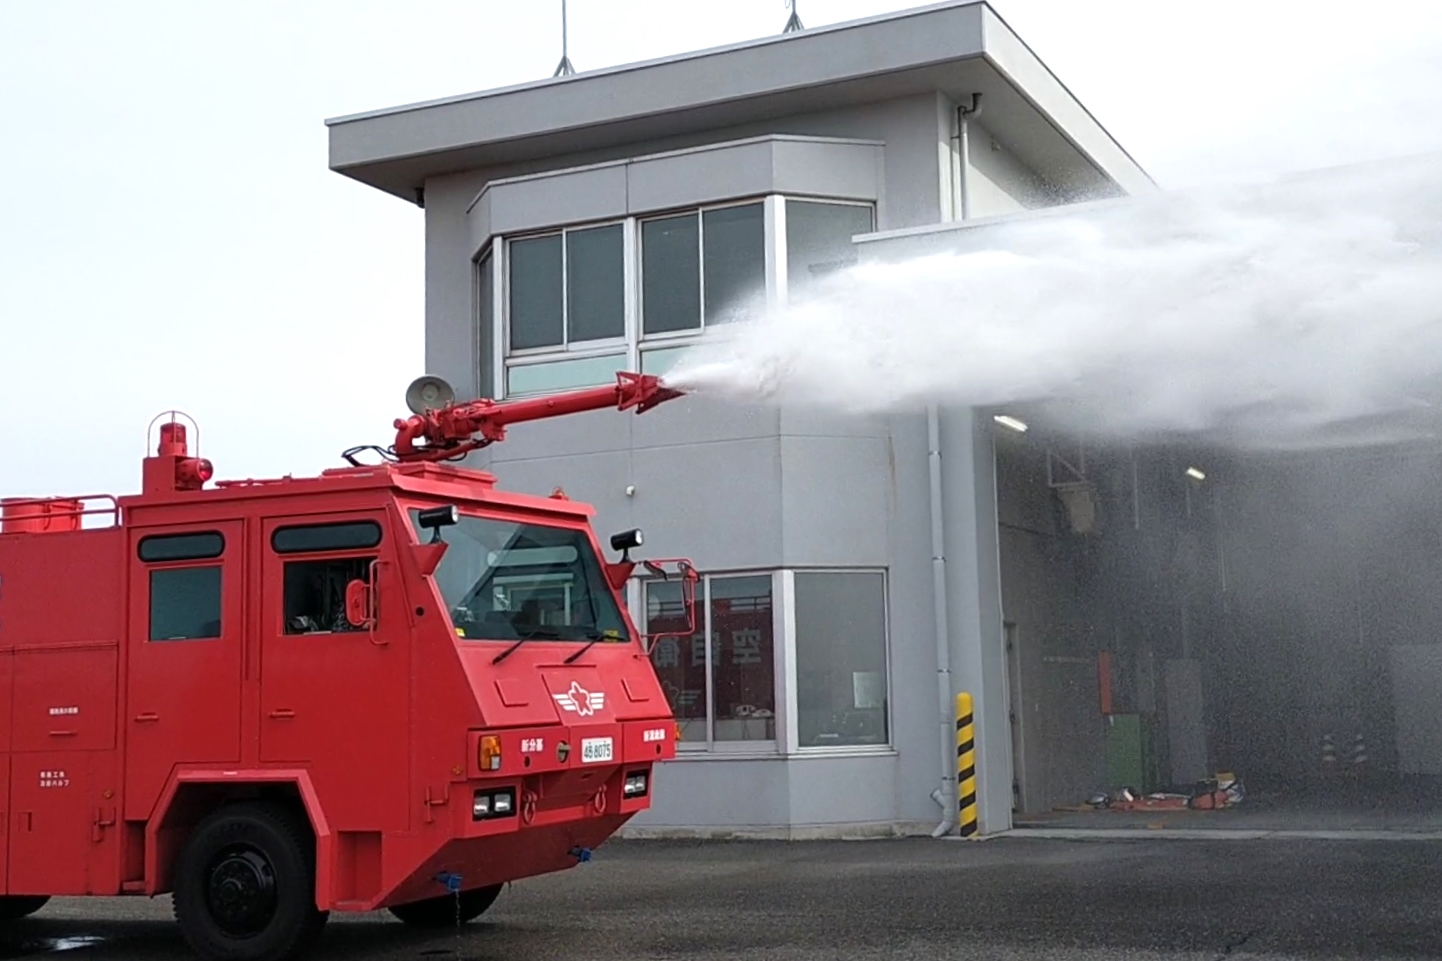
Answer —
(336, 698)
(187, 592)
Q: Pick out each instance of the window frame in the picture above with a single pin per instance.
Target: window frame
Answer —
(783, 249)
(630, 350)
(699, 211)
(794, 745)
(710, 746)
(595, 347)
(783, 598)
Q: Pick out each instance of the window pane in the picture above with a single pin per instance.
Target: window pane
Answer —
(181, 547)
(743, 668)
(680, 662)
(536, 292)
(345, 536)
(486, 325)
(315, 594)
(660, 361)
(505, 580)
(735, 259)
(818, 239)
(841, 659)
(595, 284)
(564, 374)
(185, 604)
(670, 274)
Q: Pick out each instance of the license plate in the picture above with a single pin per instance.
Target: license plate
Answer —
(595, 749)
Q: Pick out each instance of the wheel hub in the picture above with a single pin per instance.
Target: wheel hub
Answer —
(241, 894)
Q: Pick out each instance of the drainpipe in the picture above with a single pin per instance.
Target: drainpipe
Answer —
(946, 794)
(964, 150)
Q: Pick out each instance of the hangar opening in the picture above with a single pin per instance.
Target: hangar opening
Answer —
(1178, 616)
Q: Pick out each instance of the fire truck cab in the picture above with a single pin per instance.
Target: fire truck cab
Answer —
(388, 686)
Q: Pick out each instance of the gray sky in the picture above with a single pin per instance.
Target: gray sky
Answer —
(171, 237)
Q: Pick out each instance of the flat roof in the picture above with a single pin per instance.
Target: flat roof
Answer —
(957, 47)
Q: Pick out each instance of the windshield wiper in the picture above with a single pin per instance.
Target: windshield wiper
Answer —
(592, 637)
(529, 635)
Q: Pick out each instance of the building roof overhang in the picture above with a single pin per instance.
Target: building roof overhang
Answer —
(957, 48)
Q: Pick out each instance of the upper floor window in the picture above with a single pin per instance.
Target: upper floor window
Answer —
(577, 304)
(695, 267)
(567, 288)
(818, 239)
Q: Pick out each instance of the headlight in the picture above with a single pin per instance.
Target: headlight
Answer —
(635, 785)
(493, 803)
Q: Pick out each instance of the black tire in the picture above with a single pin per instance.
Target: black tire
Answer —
(245, 885)
(440, 912)
(13, 907)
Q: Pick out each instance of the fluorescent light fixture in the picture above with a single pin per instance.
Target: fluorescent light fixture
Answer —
(1195, 474)
(1011, 423)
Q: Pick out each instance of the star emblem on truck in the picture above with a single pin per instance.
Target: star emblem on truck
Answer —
(580, 700)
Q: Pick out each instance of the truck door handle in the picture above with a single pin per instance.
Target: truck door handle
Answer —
(62, 733)
(282, 714)
(147, 716)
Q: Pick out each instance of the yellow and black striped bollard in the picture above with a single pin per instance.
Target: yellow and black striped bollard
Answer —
(965, 766)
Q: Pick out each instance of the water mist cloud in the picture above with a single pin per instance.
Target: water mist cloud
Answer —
(1279, 314)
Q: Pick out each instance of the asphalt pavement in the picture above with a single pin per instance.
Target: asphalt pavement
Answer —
(1012, 897)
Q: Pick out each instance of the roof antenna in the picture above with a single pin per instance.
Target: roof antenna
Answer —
(793, 24)
(564, 69)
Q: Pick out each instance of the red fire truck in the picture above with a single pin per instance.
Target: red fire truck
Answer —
(391, 686)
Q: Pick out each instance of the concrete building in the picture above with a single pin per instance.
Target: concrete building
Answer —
(859, 571)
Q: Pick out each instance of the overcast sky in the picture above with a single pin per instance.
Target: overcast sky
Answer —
(171, 237)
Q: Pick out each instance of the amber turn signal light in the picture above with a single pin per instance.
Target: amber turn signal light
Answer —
(490, 752)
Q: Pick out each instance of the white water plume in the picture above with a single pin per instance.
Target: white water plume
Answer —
(1302, 311)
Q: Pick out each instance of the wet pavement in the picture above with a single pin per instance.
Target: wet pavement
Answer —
(1012, 897)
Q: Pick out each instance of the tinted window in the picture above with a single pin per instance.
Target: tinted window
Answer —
(671, 274)
(353, 535)
(595, 284)
(735, 258)
(181, 547)
(536, 311)
(185, 604)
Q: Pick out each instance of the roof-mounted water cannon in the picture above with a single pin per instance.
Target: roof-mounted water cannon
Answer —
(441, 429)
(172, 468)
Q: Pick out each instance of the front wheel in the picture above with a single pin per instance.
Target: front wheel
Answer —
(447, 910)
(16, 906)
(245, 886)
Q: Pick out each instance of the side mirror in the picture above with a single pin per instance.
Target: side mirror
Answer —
(690, 577)
(358, 604)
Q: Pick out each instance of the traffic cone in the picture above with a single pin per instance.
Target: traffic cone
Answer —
(1329, 756)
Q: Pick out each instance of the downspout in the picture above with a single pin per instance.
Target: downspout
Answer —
(946, 794)
(963, 136)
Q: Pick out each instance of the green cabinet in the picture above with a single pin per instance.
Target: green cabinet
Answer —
(1129, 753)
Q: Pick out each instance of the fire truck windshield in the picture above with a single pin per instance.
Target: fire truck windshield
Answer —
(509, 581)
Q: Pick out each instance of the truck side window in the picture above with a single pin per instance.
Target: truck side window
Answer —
(315, 593)
(185, 603)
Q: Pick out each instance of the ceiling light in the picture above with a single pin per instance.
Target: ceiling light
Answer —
(1011, 423)
(1195, 474)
